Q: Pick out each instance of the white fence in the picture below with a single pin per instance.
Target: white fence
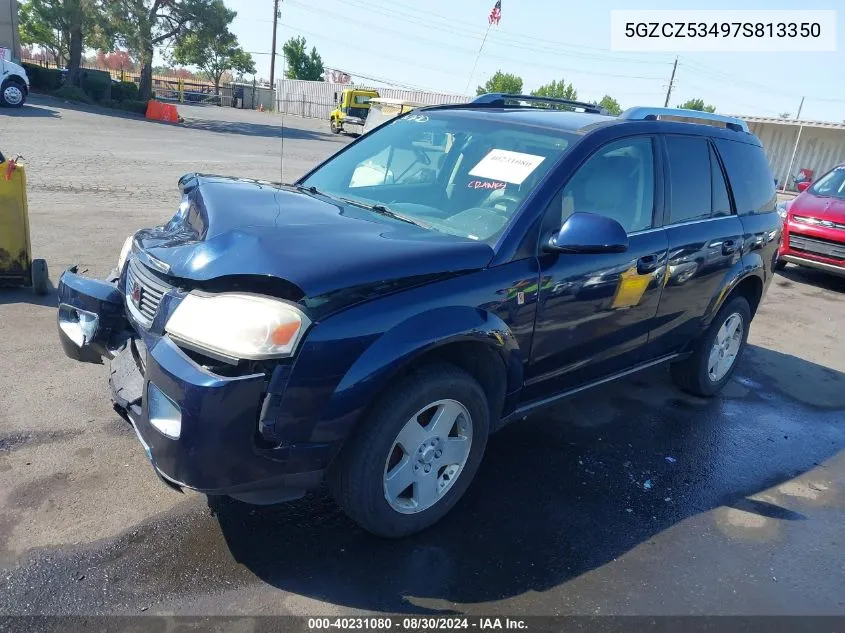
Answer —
(315, 99)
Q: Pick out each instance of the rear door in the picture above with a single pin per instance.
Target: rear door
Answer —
(704, 236)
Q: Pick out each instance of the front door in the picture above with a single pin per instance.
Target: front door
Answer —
(595, 311)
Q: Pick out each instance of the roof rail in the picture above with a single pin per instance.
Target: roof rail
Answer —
(644, 113)
(501, 100)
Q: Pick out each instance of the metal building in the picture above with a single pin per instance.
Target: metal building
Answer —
(794, 145)
(9, 37)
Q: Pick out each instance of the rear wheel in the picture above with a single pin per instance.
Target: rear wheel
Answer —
(711, 365)
(13, 94)
(415, 453)
(40, 277)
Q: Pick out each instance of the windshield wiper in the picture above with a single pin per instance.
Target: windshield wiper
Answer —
(377, 208)
(385, 211)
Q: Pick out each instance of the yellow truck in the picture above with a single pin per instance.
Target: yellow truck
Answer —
(352, 109)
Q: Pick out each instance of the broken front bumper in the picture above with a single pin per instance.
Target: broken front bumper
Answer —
(199, 429)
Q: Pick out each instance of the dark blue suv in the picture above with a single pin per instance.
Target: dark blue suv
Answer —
(447, 273)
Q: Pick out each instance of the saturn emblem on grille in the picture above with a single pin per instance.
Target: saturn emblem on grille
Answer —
(135, 292)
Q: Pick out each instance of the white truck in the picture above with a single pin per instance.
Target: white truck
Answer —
(14, 84)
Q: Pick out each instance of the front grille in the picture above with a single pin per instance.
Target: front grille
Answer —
(817, 247)
(828, 224)
(144, 292)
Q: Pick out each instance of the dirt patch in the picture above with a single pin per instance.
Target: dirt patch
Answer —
(14, 441)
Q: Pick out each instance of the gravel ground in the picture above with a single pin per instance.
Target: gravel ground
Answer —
(745, 518)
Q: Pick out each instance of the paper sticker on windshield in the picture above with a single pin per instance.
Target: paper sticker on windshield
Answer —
(512, 167)
(416, 118)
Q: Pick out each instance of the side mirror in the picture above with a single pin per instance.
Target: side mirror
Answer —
(586, 233)
(335, 96)
(803, 186)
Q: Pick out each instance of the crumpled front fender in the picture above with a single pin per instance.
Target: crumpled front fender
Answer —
(91, 319)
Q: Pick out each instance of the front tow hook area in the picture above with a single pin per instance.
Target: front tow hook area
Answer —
(91, 319)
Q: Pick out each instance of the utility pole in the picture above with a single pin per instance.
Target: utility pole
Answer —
(671, 84)
(798, 116)
(273, 53)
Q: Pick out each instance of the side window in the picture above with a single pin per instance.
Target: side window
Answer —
(617, 182)
(721, 200)
(750, 176)
(689, 177)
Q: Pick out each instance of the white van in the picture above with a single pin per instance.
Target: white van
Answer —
(14, 84)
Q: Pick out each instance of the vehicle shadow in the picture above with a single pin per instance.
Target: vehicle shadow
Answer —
(243, 128)
(31, 111)
(819, 278)
(562, 493)
(10, 295)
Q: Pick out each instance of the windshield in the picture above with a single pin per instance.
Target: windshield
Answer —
(831, 184)
(454, 171)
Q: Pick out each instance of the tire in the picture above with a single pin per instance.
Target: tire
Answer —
(780, 264)
(693, 374)
(40, 277)
(358, 479)
(334, 126)
(13, 94)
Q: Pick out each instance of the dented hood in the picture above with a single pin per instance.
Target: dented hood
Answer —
(228, 226)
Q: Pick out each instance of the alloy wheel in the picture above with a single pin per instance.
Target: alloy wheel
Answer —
(428, 456)
(725, 347)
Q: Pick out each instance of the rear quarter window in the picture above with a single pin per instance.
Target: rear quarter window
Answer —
(750, 176)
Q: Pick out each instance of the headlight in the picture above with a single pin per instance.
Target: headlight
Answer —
(238, 326)
(124, 252)
(783, 209)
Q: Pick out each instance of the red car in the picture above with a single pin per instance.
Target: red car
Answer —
(814, 225)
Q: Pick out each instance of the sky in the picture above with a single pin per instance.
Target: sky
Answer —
(433, 44)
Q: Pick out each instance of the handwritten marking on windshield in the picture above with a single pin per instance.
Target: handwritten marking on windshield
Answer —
(483, 184)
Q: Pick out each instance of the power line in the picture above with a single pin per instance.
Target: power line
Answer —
(406, 36)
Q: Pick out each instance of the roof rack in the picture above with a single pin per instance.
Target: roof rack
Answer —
(643, 113)
(501, 100)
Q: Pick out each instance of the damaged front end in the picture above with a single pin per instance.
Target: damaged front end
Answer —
(200, 419)
(91, 317)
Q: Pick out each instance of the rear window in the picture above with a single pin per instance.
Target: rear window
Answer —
(750, 176)
(689, 174)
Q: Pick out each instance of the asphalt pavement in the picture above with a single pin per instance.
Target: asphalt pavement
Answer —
(632, 498)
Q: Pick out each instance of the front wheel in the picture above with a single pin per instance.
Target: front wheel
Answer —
(334, 126)
(712, 363)
(780, 264)
(415, 454)
(13, 94)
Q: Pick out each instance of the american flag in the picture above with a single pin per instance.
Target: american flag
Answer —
(496, 13)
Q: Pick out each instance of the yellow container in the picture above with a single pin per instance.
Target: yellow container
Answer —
(17, 268)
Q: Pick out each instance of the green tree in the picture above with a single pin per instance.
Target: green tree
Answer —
(300, 63)
(697, 104)
(41, 24)
(142, 25)
(501, 82)
(214, 49)
(557, 90)
(63, 28)
(611, 105)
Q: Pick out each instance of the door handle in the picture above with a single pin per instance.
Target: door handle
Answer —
(728, 247)
(647, 264)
